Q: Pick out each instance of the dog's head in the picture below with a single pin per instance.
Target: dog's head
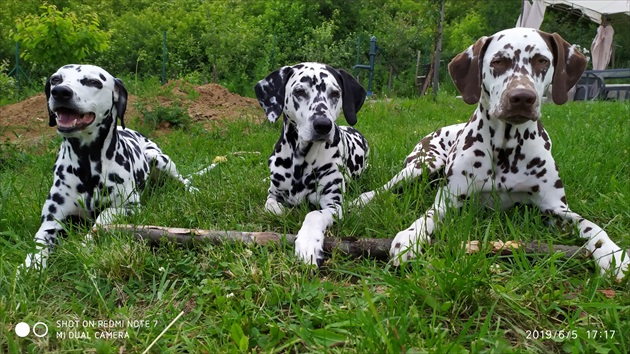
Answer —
(508, 72)
(82, 98)
(311, 96)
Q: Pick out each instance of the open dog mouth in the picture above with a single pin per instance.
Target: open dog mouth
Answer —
(69, 120)
(518, 119)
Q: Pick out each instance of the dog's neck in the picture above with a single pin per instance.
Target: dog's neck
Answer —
(500, 131)
(93, 146)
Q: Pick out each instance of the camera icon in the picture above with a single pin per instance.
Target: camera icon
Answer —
(22, 329)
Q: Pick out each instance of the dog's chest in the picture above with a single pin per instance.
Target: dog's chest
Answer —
(503, 158)
(98, 181)
(298, 177)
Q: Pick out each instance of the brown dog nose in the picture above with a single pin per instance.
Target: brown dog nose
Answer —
(522, 98)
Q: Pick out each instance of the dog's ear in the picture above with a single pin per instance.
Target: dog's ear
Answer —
(568, 63)
(353, 94)
(121, 104)
(465, 70)
(52, 117)
(270, 92)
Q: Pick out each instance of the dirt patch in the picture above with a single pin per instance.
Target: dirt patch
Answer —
(26, 122)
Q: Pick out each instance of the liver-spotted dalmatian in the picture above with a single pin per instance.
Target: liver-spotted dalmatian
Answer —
(503, 153)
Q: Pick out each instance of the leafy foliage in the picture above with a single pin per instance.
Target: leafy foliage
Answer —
(55, 38)
(238, 42)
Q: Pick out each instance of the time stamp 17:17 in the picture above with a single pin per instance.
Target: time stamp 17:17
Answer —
(543, 334)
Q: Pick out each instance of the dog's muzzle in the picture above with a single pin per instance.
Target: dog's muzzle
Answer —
(518, 106)
(69, 119)
(322, 127)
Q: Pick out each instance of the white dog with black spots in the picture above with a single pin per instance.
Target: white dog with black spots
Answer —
(314, 156)
(100, 167)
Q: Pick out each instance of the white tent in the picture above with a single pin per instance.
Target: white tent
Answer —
(594, 9)
(597, 10)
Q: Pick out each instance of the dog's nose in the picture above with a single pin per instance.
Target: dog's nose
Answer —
(62, 93)
(322, 125)
(522, 98)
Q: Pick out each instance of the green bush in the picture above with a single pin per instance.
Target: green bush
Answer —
(7, 84)
(55, 38)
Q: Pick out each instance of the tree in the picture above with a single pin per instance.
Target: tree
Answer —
(55, 38)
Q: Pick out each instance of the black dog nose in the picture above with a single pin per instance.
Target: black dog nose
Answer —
(322, 125)
(522, 98)
(62, 93)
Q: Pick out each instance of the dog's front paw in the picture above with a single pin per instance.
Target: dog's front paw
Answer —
(622, 269)
(35, 260)
(309, 247)
(363, 199)
(406, 245)
(272, 206)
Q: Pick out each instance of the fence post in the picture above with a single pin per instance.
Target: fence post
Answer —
(372, 59)
(370, 67)
(17, 70)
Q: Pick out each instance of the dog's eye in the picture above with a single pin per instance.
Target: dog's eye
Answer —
(91, 83)
(335, 94)
(55, 80)
(497, 62)
(300, 92)
(543, 61)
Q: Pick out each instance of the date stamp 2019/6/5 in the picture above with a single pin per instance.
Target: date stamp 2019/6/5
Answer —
(560, 335)
(544, 334)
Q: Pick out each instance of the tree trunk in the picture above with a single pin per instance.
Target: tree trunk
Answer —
(438, 52)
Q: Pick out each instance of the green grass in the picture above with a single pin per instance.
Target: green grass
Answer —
(260, 299)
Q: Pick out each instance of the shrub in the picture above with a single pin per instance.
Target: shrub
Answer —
(55, 38)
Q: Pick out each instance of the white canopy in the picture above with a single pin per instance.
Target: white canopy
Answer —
(601, 49)
(594, 9)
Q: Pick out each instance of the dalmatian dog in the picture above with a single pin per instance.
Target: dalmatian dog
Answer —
(314, 156)
(502, 155)
(100, 167)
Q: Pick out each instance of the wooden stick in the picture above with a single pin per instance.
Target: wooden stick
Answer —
(355, 246)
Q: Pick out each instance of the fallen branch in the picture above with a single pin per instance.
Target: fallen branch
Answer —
(355, 246)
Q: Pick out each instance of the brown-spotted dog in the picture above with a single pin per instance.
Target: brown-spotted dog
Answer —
(503, 152)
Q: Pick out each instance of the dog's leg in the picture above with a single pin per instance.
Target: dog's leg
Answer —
(164, 163)
(45, 238)
(56, 209)
(408, 173)
(408, 243)
(309, 242)
(108, 217)
(606, 253)
(428, 157)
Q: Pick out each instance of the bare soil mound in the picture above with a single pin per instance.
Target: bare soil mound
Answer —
(26, 122)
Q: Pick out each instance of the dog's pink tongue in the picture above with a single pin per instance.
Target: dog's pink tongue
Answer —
(66, 117)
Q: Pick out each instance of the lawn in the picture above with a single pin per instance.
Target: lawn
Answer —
(238, 298)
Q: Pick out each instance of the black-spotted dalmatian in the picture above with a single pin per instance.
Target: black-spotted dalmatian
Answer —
(313, 156)
(502, 153)
(100, 167)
